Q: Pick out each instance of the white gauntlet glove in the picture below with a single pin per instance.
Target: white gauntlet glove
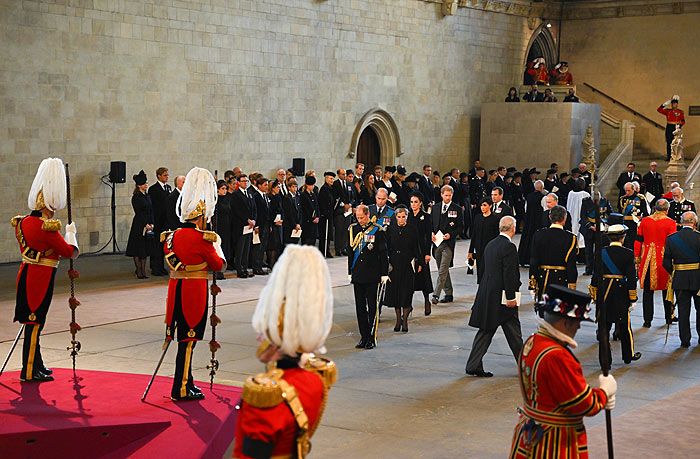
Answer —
(385, 279)
(220, 252)
(350, 278)
(609, 385)
(667, 103)
(71, 237)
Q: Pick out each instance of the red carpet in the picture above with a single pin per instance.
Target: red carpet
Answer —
(101, 415)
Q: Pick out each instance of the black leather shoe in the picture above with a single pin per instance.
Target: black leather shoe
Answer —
(636, 356)
(480, 373)
(447, 299)
(38, 377)
(428, 309)
(328, 255)
(192, 394)
(242, 275)
(434, 299)
(646, 325)
(260, 272)
(46, 371)
(369, 345)
(361, 344)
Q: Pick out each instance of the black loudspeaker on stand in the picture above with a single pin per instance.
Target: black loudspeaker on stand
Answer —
(117, 174)
(299, 166)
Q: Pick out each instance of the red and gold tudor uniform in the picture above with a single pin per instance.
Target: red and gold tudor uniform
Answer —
(555, 393)
(190, 254)
(282, 408)
(41, 246)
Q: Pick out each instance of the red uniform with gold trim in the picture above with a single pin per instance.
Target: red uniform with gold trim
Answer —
(649, 250)
(190, 254)
(556, 398)
(673, 115)
(266, 424)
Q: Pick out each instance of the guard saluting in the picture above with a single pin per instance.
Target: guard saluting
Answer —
(282, 407)
(615, 288)
(41, 246)
(553, 255)
(368, 265)
(190, 252)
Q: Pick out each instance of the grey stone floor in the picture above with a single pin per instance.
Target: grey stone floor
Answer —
(408, 398)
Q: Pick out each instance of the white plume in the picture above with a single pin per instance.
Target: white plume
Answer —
(199, 186)
(301, 281)
(50, 179)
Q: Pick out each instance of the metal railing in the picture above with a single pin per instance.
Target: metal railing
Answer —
(624, 106)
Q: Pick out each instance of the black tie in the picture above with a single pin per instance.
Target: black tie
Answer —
(167, 188)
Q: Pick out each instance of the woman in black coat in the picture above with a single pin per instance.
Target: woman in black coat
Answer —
(141, 236)
(309, 212)
(484, 229)
(423, 222)
(221, 222)
(291, 207)
(275, 242)
(405, 257)
(369, 191)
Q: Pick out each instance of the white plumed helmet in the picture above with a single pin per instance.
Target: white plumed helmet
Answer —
(49, 186)
(295, 309)
(198, 196)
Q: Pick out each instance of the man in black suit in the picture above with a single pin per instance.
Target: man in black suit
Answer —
(533, 222)
(682, 259)
(552, 200)
(628, 176)
(501, 177)
(159, 193)
(368, 265)
(342, 192)
(425, 186)
(380, 212)
(243, 215)
(326, 205)
(499, 207)
(501, 276)
(263, 223)
(291, 208)
(448, 219)
(533, 95)
(173, 221)
(653, 182)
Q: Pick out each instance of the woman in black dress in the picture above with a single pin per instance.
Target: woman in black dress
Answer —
(369, 191)
(141, 235)
(512, 95)
(274, 243)
(423, 222)
(485, 229)
(309, 211)
(221, 221)
(405, 258)
(291, 207)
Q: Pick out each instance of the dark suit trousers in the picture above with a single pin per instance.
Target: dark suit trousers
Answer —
(482, 341)
(157, 255)
(260, 249)
(683, 299)
(340, 225)
(243, 252)
(366, 309)
(325, 229)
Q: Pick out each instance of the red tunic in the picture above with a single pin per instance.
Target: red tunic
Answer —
(561, 78)
(40, 240)
(277, 426)
(191, 248)
(649, 249)
(673, 115)
(556, 397)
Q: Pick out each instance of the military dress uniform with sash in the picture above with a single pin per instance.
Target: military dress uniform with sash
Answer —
(552, 259)
(587, 226)
(381, 217)
(282, 408)
(676, 209)
(367, 263)
(615, 289)
(190, 254)
(682, 260)
(633, 209)
(41, 246)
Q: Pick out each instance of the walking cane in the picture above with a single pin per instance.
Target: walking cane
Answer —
(12, 349)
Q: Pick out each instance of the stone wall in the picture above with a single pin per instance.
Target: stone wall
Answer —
(224, 83)
(641, 61)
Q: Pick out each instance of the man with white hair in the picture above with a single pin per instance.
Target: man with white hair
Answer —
(653, 182)
(679, 205)
(501, 277)
(551, 200)
(633, 208)
(41, 246)
(281, 408)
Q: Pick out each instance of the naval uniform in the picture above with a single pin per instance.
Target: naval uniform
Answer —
(633, 208)
(587, 226)
(41, 246)
(615, 289)
(367, 263)
(190, 254)
(552, 259)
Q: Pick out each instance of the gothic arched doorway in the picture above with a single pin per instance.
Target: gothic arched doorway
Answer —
(369, 151)
(377, 136)
(542, 45)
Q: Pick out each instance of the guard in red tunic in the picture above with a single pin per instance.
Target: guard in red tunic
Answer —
(674, 118)
(190, 252)
(555, 393)
(560, 74)
(282, 407)
(41, 246)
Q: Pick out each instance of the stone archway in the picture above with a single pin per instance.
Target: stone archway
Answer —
(384, 126)
(542, 45)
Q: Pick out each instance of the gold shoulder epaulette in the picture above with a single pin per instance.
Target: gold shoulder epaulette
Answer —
(51, 225)
(209, 236)
(165, 234)
(325, 368)
(14, 221)
(263, 390)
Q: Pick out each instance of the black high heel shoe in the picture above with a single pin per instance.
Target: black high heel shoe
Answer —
(397, 327)
(404, 320)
